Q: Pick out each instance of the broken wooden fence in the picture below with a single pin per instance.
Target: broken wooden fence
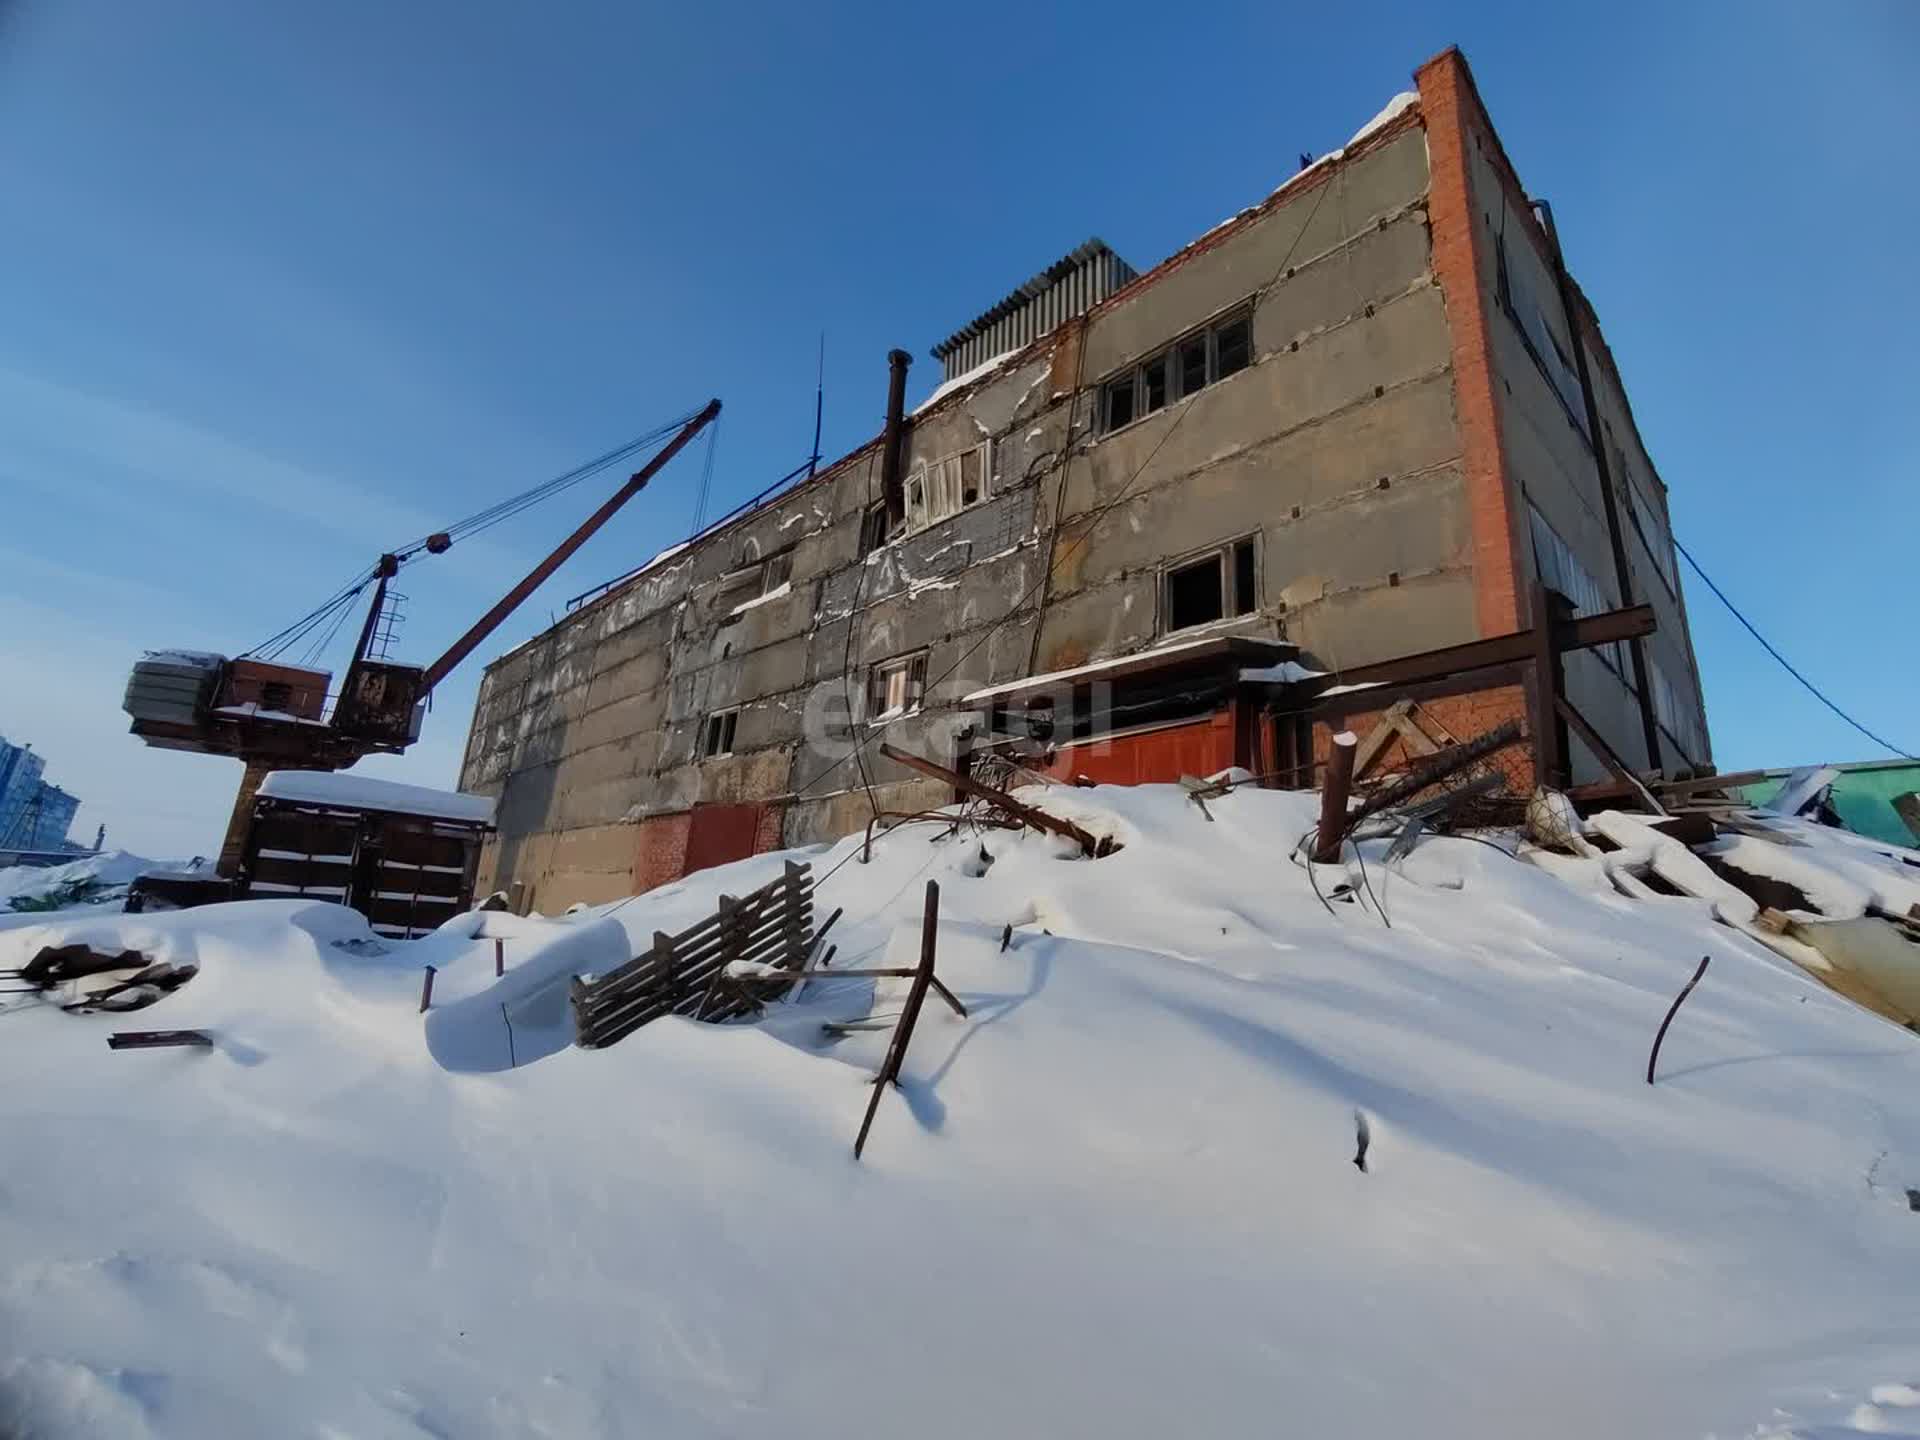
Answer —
(681, 974)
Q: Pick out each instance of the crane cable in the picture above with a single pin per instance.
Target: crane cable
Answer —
(332, 608)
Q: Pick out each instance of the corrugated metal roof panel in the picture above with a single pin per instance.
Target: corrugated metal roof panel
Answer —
(1072, 285)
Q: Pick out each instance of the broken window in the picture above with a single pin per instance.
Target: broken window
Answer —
(917, 498)
(948, 485)
(1212, 586)
(1190, 364)
(717, 737)
(896, 687)
(972, 479)
(873, 527)
(1245, 601)
(739, 587)
(1194, 595)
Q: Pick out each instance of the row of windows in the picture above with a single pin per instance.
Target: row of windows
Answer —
(934, 490)
(1677, 717)
(1647, 524)
(1517, 299)
(1558, 569)
(1189, 364)
(894, 687)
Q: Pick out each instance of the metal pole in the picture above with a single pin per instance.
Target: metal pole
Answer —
(1336, 786)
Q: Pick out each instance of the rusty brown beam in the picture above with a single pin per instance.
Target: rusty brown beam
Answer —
(967, 785)
(1335, 788)
(537, 576)
(1518, 648)
(909, 1014)
(1596, 742)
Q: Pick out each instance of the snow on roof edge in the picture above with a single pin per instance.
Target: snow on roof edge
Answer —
(362, 792)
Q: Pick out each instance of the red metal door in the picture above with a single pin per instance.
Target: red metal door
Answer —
(721, 833)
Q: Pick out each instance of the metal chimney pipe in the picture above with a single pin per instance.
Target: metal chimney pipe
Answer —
(892, 437)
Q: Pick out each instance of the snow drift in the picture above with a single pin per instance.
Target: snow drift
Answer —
(1119, 1199)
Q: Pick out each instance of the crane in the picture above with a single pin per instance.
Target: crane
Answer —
(272, 716)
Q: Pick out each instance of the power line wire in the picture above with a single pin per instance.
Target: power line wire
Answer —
(1786, 664)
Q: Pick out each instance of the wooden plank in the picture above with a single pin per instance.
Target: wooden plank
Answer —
(1414, 737)
(1038, 819)
(1578, 724)
(406, 879)
(1709, 782)
(1379, 737)
(154, 1039)
(315, 874)
(1432, 772)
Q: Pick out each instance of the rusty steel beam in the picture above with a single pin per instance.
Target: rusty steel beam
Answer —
(967, 785)
(509, 602)
(1515, 649)
(1334, 790)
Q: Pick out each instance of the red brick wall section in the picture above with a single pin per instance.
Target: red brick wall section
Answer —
(660, 851)
(1450, 107)
(1462, 716)
(770, 835)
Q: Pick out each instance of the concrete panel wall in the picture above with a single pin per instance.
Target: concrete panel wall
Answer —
(1559, 475)
(1337, 448)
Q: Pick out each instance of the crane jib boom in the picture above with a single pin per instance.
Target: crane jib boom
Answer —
(511, 601)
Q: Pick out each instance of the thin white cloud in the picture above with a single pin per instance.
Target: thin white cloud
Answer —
(181, 453)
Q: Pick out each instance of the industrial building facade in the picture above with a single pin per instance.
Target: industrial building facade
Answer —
(34, 814)
(1364, 418)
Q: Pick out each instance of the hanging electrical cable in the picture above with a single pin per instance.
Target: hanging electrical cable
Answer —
(1812, 689)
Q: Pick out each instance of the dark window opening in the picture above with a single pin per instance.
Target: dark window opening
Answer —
(1153, 385)
(1193, 594)
(1245, 600)
(1183, 368)
(873, 528)
(1233, 347)
(718, 738)
(1193, 364)
(276, 695)
(970, 475)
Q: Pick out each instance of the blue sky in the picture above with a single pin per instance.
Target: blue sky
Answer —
(285, 284)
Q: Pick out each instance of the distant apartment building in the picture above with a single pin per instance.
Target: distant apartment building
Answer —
(1368, 416)
(34, 815)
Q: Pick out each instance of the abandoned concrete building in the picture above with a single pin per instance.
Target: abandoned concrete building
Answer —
(1368, 417)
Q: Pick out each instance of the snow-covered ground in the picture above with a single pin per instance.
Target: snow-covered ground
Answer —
(104, 875)
(1118, 1200)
